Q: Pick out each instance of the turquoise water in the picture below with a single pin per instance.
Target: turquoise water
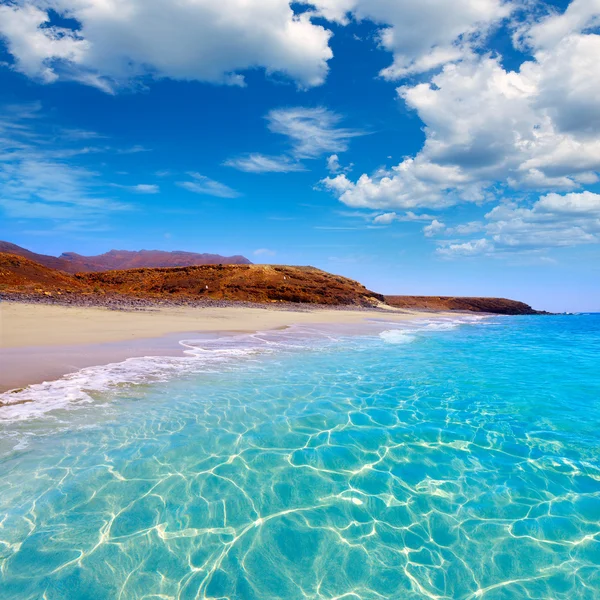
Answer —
(434, 460)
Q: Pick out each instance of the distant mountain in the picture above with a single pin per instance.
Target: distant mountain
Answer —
(43, 259)
(116, 260)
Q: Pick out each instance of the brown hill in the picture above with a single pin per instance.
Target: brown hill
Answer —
(22, 275)
(52, 262)
(499, 306)
(118, 260)
(122, 259)
(251, 283)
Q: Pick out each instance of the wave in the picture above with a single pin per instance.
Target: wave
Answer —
(207, 355)
(397, 336)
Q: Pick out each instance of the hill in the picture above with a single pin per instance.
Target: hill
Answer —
(22, 275)
(499, 306)
(24, 278)
(250, 283)
(122, 259)
(52, 262)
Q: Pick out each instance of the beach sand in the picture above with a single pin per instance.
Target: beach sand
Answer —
(43, 342)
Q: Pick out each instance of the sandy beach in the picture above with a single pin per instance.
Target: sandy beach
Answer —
(43, 342)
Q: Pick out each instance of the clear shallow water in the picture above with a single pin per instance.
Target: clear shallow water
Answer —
(423, 461)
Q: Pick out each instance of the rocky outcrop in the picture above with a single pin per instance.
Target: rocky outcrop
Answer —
(249, 283)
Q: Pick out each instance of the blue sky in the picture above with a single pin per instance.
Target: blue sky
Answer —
(416, 148)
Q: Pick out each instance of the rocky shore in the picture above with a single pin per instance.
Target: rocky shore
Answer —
(120, 302)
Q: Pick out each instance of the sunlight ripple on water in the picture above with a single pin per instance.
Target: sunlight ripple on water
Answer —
(436, 460)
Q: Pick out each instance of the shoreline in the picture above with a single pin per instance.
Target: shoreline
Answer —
(43, 342)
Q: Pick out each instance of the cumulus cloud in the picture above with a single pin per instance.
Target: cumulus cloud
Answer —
(413, 183)
(201, 184)
(261, 163)
(534, 128)
(553, 221)
(433, 228)
(421, 35)
(118, 42)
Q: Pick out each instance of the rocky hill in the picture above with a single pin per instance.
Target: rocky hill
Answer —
(250, 283)
(25, 279)
(52, 262)
(499, 306)
(122, 259)
(21, 277)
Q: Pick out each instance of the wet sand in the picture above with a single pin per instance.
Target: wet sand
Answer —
(43, 342)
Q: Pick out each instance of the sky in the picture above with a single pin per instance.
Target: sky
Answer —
(419, 147)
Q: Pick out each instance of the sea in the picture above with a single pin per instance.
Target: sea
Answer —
(443, 458)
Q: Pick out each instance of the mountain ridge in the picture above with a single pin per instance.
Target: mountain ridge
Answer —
(113, 260)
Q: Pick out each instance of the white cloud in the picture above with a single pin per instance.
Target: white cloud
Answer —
(421, 35)
(578, 16)
(472, 248)
(413, 183)
(264, 252)
(466, 228)
(334, 166)
(118, 42)
(311, 131)
(33, 46)
(260, 163)
(534, 128)
(204, 185)
(36, 182)
(140, 188)
(385, 218)
(553, 221)
(433, 228)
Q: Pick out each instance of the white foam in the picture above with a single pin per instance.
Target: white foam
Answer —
(397, 336)
(76, 389)
(447, 326)
(208, 355)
